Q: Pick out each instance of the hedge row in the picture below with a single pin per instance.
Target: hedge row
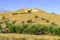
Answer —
(32, 29)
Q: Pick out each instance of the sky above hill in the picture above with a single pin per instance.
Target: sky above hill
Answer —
(47, 5)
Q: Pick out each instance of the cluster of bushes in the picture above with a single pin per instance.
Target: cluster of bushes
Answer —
(32, 29)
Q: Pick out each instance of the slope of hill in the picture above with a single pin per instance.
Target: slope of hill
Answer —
(37, 16)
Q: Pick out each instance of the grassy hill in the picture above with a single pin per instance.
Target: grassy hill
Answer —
(37, 16)
(10, 23)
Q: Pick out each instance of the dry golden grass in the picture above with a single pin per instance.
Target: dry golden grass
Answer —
(24, 17)
(14, 36)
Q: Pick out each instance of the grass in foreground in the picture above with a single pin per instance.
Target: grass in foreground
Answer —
(13, 36)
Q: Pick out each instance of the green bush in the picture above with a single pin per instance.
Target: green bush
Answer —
(21, 28)
(51, 29)
(7, 24)
(57, 31)
(36, 16)
(30, 29)
(47, 21)
(43, 18)
(36, 29)
(3, 18)
(41, 29)
(53, 23)
(29, 21)
(11, 28)
(23, 22)
(17, 29)
(24, 28)
(14, 22)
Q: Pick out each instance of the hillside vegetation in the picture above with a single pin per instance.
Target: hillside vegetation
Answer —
(31, 22)
(35, 15)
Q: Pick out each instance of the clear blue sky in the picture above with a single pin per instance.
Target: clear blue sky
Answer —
(47, 5)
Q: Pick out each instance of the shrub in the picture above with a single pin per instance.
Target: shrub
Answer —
(24, 28)
(47, 21)
(53, 23)
(51, 29)
(29, 11)
(3, 18)
(23, 22)
(21, 28)
(25, 25)
(36, 16)
(41, 29)
(11, 28)
(17, 29)
(57, 31)
(7, 24)
(15, 13)
(36, 29)
(43, 18)
(29, 21)
(14, 22)
(30, 29)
